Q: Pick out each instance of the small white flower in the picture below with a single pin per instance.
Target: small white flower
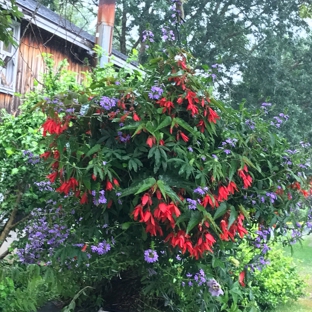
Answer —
(178, 58)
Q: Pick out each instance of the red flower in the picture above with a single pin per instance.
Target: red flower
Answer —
(115, 181)
(84, 198)
(247, 179)
(150, 141)
(201, 125)
(240, 228)
(146, 198)
(84, 248)
(223, 193)
(52, 176)
(184, 137)
(56, 155)
(213, 116)
(93, 177)
(135, 117)
(71, 184)
(137, 211)
(232, 187)
(241, 278)
(109, 186)
(45, 155)
(161, 142)
(209, 200)
(167, 105)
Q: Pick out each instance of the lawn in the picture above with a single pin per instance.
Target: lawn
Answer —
(303, 258)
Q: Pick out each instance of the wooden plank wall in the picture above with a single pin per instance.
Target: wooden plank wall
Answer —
(31, 65)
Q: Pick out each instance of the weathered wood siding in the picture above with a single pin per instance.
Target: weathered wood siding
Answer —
(30, 66)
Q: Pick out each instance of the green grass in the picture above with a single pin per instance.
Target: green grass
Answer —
(302, 255)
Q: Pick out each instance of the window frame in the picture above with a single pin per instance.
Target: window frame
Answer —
(11, 67)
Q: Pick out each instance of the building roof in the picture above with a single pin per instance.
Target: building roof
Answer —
(45, 18)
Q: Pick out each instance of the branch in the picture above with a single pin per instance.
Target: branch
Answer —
(18, 222)
(8, 226)
(3, 255)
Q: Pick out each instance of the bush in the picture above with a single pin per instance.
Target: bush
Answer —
(278, 282)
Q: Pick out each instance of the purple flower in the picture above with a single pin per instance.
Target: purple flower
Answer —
(108, 103)
(148, 36)
(226, 151)
(192, 203)
(150, 256)
(190, 149)
(214, 288)
(155, 93)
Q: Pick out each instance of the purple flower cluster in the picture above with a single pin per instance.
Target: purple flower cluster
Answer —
(46, 232)
(102, 248)
(272, 197)
(305, 144)
(147, 36)
(251, 124)
(176, 13)
(167, 34)
(265, 106)
(99, 198)
(108, 103)
(124, 138)
(201, 190)
(155, 93)
(277, 121)
(32, 159)
(150, 256)
(44, 186)
(200, 279)
(192, 203)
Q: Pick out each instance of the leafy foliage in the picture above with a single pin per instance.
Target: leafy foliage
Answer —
(153, 162)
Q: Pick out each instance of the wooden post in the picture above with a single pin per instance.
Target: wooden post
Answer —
(105, 28)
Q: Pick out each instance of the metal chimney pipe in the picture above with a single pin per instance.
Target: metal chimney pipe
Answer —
(105, 28)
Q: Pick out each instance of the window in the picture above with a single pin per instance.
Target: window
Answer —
(8, 70)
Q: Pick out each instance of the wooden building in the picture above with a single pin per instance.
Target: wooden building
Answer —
(42, 31)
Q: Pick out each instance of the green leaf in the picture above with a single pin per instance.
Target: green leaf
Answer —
(145, 185)
(233, 216)
(93, 150)
(168, 191)
(166, 122)
(195, 219)
(184, 125)
(14, 171)
(126, 225)
(220, 211)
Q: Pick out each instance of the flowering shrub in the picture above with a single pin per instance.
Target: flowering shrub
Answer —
(173, 173)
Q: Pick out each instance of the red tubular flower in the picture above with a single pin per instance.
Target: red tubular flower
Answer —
(223, 193)
(213, 116)
(201, 125)
(146, 199)
(240, 228)
(45, 155)
(184, 137)
(52, 176)
(116, 183)
(138, 211)
(109, 186)
(167, 105)
(84, 248)
(150, 141)
(65, 188)
(158, 194)
(232, 187)
(135, 117)
(247, 179)
(93, 177)
(161, 142)
(56, 154)
(241, 278)
(84, 198)
(109, 204)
